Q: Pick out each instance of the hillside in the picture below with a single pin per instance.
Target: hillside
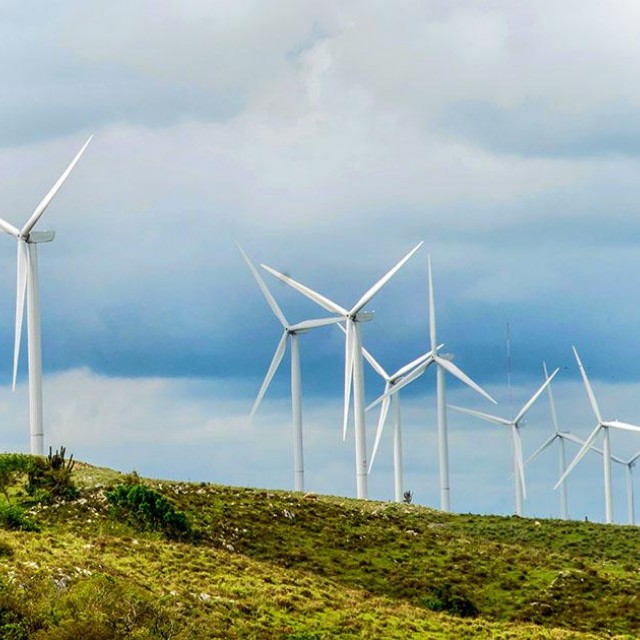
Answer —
(273, 564)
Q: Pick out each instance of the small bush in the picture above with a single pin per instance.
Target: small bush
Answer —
(132, 478)
(148, 510)
(449, 599)
(12, 466)
(14, 518)
(52, 476)
(105, 608)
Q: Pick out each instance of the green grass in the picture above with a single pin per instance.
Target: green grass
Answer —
(274, 564)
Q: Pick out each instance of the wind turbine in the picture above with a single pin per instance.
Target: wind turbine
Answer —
(391, 380)
(443, 365)
(27, 286)
(560, 437)
(604, 426)
(290, 333)
(628, 472)
(353, 359)
(514, 425)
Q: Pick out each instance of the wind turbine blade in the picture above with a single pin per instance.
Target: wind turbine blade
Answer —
(348, 374)
(265, 290)
(534, 397)
(273, 367)
(585, 447)
(587, 384)
(384, 410)
(325, 303)
(552, 404)
(517, 442)
(380, 283)
(547, 443)
(9, 228)
(458, 373)
(312, 324)
(634, 457)
(567, 435)
(375, 365)
(412, 365)
(414, 375)
(21, 287)
(409, 378)
(44, 203)
(432, 307)
(625, 426)
(483, 416)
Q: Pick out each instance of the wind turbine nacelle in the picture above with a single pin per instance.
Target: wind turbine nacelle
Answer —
(37, 237)
(364, 316)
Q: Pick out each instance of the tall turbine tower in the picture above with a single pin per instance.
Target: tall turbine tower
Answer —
(443, 365)
(514, 426)
(290, 333)
(604, 426)
(628, 472)
(27, 286)
(390, 380)
(353, 359)
(560, 437)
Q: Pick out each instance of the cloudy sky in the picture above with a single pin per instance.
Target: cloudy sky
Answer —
(328, 138)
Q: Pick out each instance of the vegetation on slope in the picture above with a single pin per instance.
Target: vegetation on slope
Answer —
(102, 562)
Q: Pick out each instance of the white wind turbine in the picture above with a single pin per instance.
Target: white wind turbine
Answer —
(628, 472)
(443, 365)
(604, 426)
(353, 359)
(27, 286)
(560, 437)
(290, 333)
(514, 425)
(390, 381)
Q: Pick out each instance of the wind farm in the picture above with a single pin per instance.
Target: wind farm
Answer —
(367, 442)
(251, 256)
(514, 165)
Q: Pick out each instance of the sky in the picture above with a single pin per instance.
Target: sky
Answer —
(328, 138)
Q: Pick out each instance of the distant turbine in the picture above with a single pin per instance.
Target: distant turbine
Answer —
(27, 286)
(603, 426)
(353, 360)
(560, 437)
(444, 364)
(391, 380)
(290, 332)
(514, 425)
(628, 472)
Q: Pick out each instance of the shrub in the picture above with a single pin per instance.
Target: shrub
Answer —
(14, 518)
(12, 466)
(148, 510)
(105, 608)
(51, 476)
(448, 598)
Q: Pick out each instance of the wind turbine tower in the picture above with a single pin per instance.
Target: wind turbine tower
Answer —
(603, 426)
(28, 287)
(354, 373)
(290, 333)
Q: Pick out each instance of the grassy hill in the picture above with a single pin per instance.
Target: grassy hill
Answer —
(274, 564)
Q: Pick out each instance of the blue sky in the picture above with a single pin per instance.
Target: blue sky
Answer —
(328, 138)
